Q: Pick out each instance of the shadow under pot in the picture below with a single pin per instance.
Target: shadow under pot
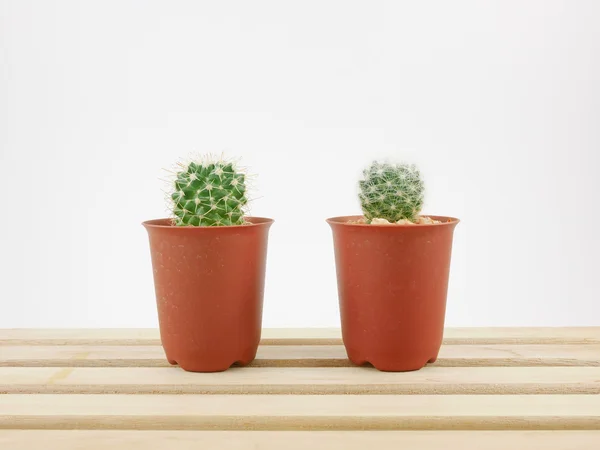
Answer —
(392, 287)
(209, 284)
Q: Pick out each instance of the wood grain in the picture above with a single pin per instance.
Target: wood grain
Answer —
(301, 336)
(301, 356)
(492, 388)
(303, 381)
(296, 440)
(291, 412)
(150, 336)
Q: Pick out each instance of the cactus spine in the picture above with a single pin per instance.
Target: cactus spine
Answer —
(391, 191)
(209, 193)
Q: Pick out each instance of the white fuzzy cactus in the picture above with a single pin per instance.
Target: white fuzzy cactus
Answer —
(393, 192)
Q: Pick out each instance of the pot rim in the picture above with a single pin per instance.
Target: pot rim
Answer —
(343, 220)
(165, 223)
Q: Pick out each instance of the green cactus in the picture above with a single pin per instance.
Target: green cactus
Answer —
(211, 193)
(391, 191)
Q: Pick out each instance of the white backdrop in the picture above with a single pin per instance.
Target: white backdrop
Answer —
(497, 101)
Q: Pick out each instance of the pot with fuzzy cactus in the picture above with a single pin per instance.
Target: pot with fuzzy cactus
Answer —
(209, 264)
(392, 269)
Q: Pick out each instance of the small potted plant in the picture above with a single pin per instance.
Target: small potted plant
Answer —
(209, 263)
(392, 271)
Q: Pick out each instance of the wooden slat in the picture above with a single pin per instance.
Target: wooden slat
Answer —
(522, 335)
(296, 440)
(290, 412)
(154, 356)
(150, 336)
(79, 336)
(301, 336)
(550, 355)
(527, 355)
(303, 381)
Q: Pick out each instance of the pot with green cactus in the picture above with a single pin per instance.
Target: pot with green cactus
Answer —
(209, 263)
(392, 267)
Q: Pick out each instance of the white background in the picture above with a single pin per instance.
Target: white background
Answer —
(497, 101)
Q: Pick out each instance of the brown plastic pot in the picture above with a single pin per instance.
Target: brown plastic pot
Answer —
(392, 286)
(209, 284)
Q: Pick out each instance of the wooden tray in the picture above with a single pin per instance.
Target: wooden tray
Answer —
(491, 388)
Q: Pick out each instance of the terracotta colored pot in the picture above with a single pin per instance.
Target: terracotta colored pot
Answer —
(209, 284)
(392, 286)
